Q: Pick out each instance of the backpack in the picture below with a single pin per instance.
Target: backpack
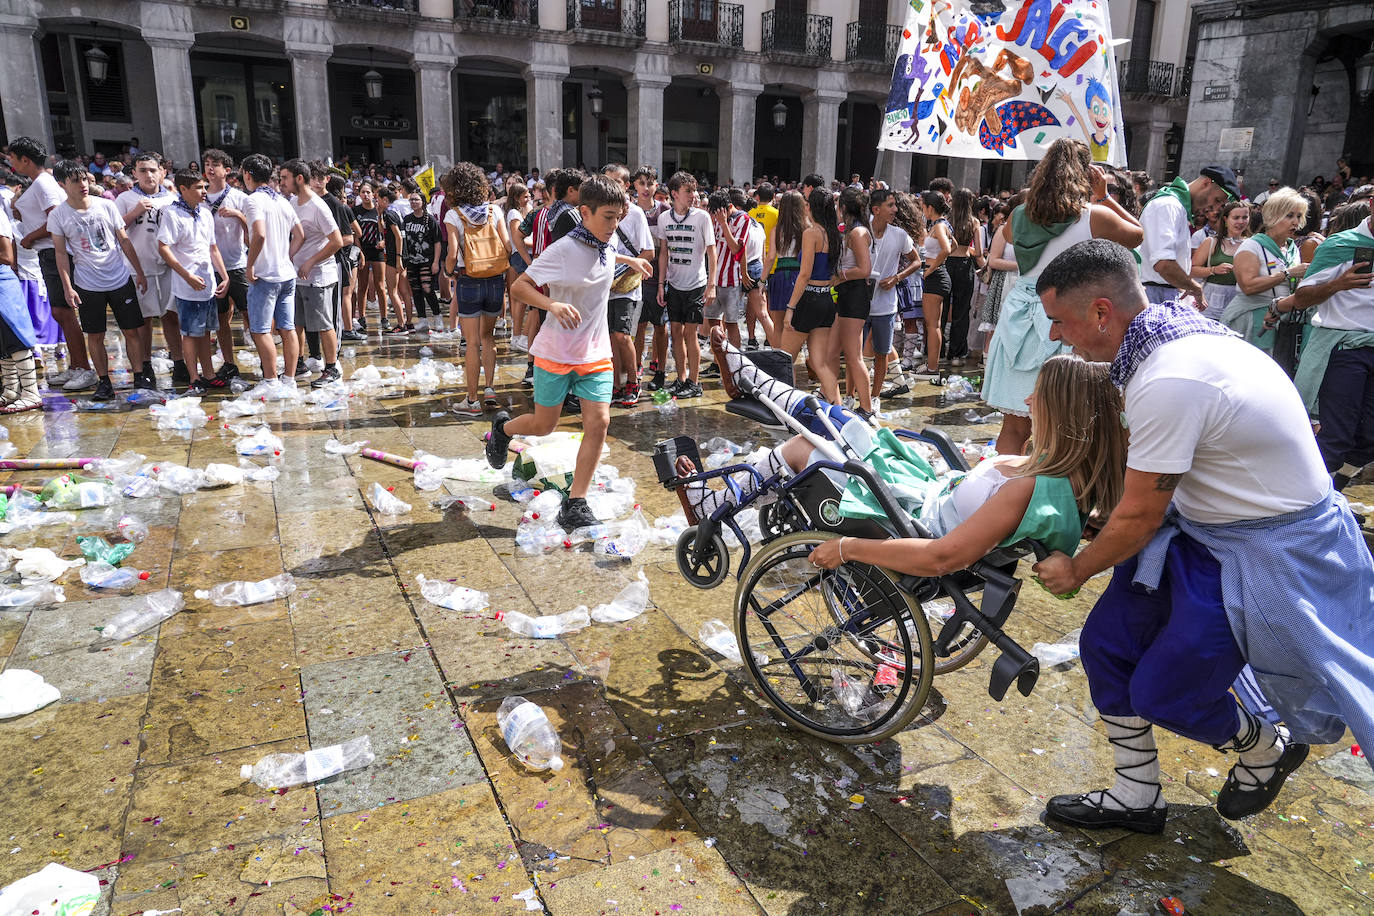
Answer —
(484, 254)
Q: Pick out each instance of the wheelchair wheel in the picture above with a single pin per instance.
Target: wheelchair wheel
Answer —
(710, 568)
(965, 646)
(777, 519)
(841, 654)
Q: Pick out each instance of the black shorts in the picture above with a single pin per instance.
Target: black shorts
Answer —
(650, 311)
(622, 315)
(373, 255)
(937, 283)
(814, 310)
(853, 298)
(52, 280)
(685, 306)
(236, 296)
(391, 258)
(122, 301)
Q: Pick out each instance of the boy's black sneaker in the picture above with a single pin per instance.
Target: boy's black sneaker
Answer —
(528, 380)
(752, 343)
(575, 513)
(227, 371)
(197, 388)
(327, 375)
(572, 404)
(710, 369)
(301, 371)
(656, 382)
(629, 397)
(688, 390)
(498, 443)
(104, 390)
(144, 380)
(180, 374)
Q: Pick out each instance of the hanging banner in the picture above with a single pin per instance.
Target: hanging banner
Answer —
(425, 179)
(985, 79)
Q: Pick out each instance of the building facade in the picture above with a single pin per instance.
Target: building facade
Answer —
(1156, 44)
(730, 90)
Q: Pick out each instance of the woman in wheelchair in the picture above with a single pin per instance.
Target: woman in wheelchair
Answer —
(1074, 468)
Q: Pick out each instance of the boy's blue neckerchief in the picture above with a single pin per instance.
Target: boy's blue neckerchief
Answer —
(584, 235)
(194, 211)
(216, 204)
(142, 193)
(268, 190)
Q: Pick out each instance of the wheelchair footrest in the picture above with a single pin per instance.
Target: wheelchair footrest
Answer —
(1015, 664)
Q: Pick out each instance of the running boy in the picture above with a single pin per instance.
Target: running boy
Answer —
(687, 270)
(186, 242)
(89, 230)
(572, 351)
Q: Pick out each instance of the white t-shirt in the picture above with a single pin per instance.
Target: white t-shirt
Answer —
(687, 239)
(1197, 238)
(1224, 415)
(26, 260)
(574, 274)
(278, 218)
(1167, 237)
(230, 235)
(189, 237)
(887, 258)
(33, 206)
(635, 227)
(143, 231)
(753, 244)
(317, 222)
(92, 240)
(1348, 309)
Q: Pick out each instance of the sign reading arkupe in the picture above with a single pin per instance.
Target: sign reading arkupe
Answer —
(979, 79)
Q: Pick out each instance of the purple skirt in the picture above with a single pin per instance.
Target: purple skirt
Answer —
(45, 326)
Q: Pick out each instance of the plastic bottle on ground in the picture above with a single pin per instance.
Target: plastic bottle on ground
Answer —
(719, 638)
(454, 597)
(531, 539)
(1051, 654)
(627, 605)
(143, 613)
(133, 528)
(522, 492)
(386, 502)
(102, 575)
(239, 592)
(529, 735)
(41, 593)
(546, 627)
(281, 771)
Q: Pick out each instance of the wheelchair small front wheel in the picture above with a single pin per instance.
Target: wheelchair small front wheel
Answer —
(705, 569)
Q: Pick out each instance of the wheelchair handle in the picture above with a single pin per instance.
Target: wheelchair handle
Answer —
(1038, 548)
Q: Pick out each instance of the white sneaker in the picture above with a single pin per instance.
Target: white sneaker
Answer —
(517, 343)
(314, 364)
(877, 406)
(848, 402)
(263, 390)
(466, 408)
(489, 397)
(58, 379)
(80, 378)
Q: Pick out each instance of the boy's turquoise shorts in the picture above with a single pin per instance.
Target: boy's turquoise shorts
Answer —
(552, 388)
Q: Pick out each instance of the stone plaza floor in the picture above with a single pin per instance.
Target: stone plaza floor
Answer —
(682, 794)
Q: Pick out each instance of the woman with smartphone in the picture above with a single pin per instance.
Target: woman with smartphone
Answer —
(1268, 267)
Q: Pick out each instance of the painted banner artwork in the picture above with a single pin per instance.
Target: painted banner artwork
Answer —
(985, 79)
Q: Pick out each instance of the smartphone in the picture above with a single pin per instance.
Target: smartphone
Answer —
(1364, 256)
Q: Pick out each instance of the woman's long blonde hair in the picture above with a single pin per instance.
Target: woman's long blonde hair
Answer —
(1077, 433)
(1062, 184)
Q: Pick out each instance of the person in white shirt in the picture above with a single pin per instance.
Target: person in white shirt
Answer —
(1166, 255)
(186, 243)
(273, 232)
(17, 338)
(632, 241)
(29, 158)
(687, 277)
(88, 235)
(231, 236)
(317, 270)
(141, 206)
(891, 244)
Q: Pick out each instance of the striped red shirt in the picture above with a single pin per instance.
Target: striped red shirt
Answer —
(729, 265)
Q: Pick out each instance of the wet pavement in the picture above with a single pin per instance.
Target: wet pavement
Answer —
(681, 794)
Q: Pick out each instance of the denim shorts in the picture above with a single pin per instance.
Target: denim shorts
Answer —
(198, 317)
(755, 270)
(272, 302)
(552, 388)
(879, 327)
(480, 296)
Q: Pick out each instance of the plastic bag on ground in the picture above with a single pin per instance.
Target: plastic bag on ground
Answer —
(466, 501)
(222, 475)
(454, 597)
(102, 575)
(126, 464)
(548, 626)
(386, 502)
(667, 529)
(240, 407)
(176, 478)
(529, 735)
(629, 604)
(72, 491)
(97, 549)
(256, 474)
(239, 592)
(335, 447)
(281, 771)
(1051, 654)
(261, 442)
(143, 613)
(55, 891)
(40, 593)
(180, 414)
(39, 564)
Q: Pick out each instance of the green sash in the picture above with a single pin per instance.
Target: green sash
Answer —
(1288, 255)
(1339, 249)
(1178, 189)
(1029, 239)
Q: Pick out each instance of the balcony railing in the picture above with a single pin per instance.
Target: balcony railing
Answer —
(807, 35)
(509, 12)
(381, 6)
(872, 42)
(707, 22)
(623, 17)
(1184, 86)
(1148, 77)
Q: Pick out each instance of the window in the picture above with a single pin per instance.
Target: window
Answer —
(108, 100)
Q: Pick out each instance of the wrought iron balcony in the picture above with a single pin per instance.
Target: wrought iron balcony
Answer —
(872, 42)
(1184, 87)
(616, 17)
(380, 6)
(498, 12)
(797, 35)
(1148, 77)
(706, 22)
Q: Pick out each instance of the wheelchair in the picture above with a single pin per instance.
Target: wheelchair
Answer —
(847, 654)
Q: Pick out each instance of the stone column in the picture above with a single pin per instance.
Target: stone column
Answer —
(176, 101)
(434, 95)
(310, 94)
(820, 132)
(1155, 155)
(895, 168)
(966, 173)
(738, 104)
(26, 112)
(645, 120)
(544, 110)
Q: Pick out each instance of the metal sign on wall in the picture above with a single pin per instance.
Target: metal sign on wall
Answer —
(386, 125)
(1236, 139)
(1216, 93)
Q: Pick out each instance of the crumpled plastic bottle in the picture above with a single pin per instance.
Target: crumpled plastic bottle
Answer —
(466, 501)
(261, 442)
(529, 735)
(240, 592)
(548, 626)
(38, 593)
(1051, 654)
(133, 528)
(97, 549)
(102, 575)
(454, 597)
(335, 447)
(240, 407)
(537, 537)
(719, 638)
(281, 771)
(177, 478)
(385, 502)
(143, 613)
(627, 605)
